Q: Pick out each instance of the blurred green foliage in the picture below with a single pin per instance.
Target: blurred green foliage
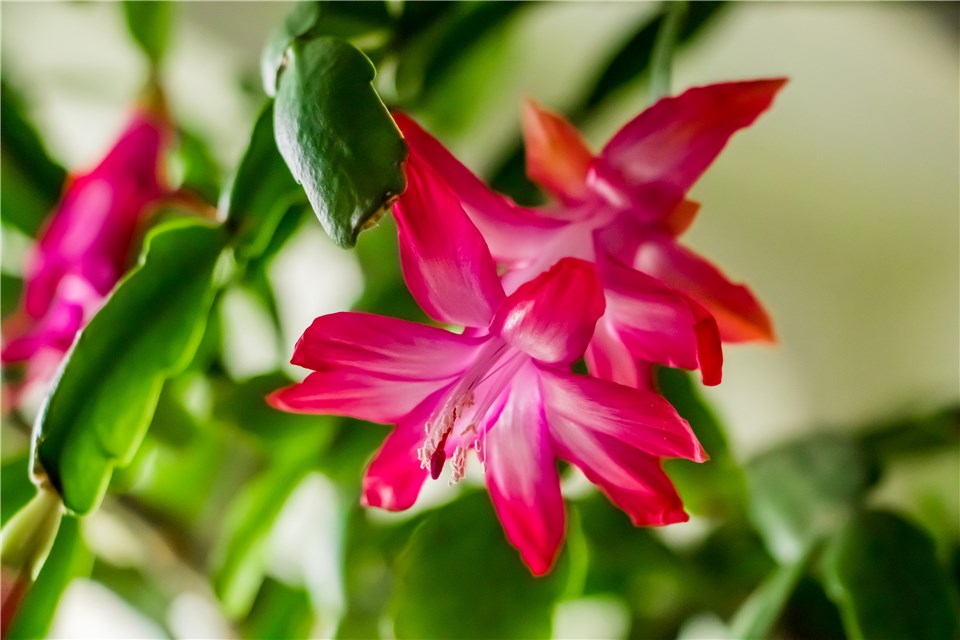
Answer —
(785, 545)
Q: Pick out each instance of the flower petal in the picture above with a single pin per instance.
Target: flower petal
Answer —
(522, 477)
(639, 418)
(608, 358)
(658, 324)
(737, 312)
(552, 317)
(557, 157)
(394, 478)
(445, 260)
(633, 480)
(371, 367)
(383, 346)
(655, 158)
(513, 233)
(353, 394)
(91, 230)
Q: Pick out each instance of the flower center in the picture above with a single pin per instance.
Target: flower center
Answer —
(460, 418)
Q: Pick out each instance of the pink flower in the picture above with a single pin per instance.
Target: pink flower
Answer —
(623, 210)
(503, 387)
(85, 247)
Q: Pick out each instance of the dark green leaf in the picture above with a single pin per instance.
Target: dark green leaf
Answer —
(312, 19)
(913, 436)
(661, 60)
(424, 61)
(149, 24)
(459, 578)
(10, 289)
(809, 613)
(716, 487)
(280, 611)
(760, 612)
(337, 137)
(260, 192)
(30, 182)
(804, 489)
(730, 563)
(634, 564)
(368, 549)
(69, 558)
(103, 401)
(633, 59)
(16, 490)
(883, 573)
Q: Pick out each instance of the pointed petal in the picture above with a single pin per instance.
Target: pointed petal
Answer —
(354, 395)
(655, 158)
(737, 312)
(446, 263)
(608, 358)
(659, 324)
(557, 157)
(522, 477)
(639, 418)
(539, 319)
(513, 233)
(372, 368)
(383, 346)
(634, 481)
(394, 478)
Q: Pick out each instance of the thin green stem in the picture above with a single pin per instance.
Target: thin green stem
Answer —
(662, 63)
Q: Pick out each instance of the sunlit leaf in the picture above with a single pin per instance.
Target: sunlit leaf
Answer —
(368, 550)
(15, 486)
(239, 559)
(149, 24)
(294, 445)
(105, 396)
(883, 573)
(802, 490)
(69, 558)
(337, 137)
(280, 611)
(459, 578)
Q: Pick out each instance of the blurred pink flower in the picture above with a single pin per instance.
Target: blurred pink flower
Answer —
(503, 387)
(623, 210)
(85, 247)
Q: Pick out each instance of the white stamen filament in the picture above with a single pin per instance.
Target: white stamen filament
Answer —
(495, 365)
